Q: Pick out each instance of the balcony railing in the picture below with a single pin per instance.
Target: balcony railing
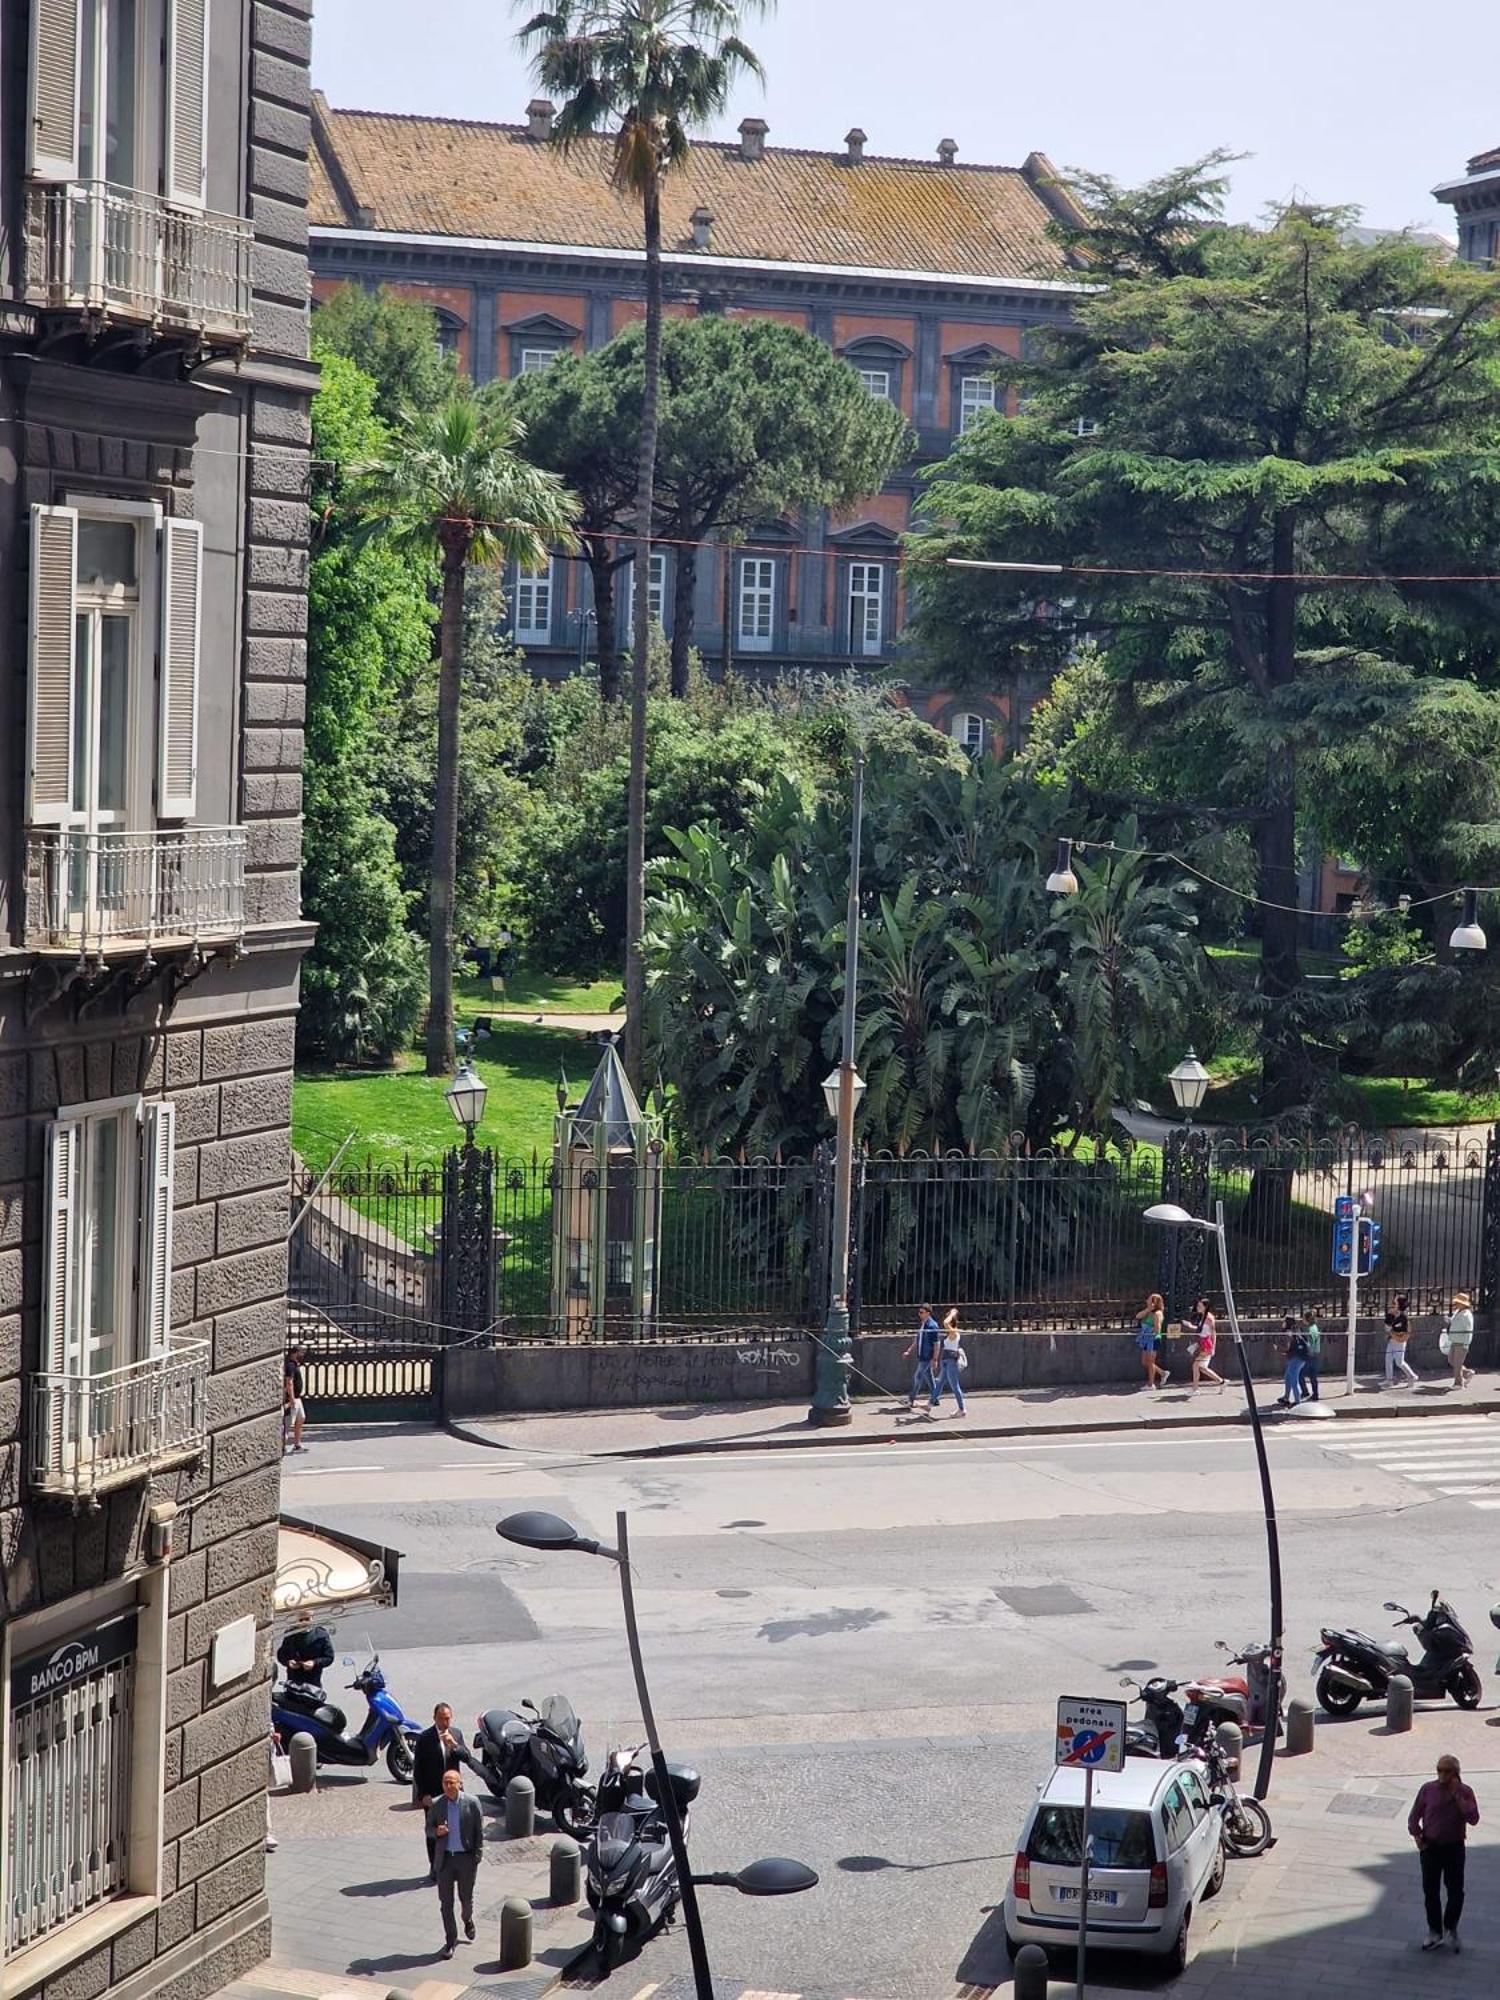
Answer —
(93, 1432)
(90, 891)
(92, 247)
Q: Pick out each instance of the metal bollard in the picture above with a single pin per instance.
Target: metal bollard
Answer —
(520, 1809)
(1299, 1728)
(1031, 1973)
(515, 1933)
(1231, 1740)
(1398, 1705)
(565, 1872)
(303, 1752)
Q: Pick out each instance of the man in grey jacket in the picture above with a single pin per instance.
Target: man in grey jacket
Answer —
(456, 1826)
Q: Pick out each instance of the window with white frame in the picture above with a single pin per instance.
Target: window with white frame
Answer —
(656, 593)
(532, 360)
(876, 382)
(757, 603)
(866, 607)
(533, 612)
(976, 399)
(969, 731)
(1084, 427)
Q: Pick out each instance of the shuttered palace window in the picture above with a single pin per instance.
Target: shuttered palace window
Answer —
(533, 612)
(757, 617)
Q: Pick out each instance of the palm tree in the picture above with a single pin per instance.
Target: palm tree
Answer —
(648, 72)
(453, 489)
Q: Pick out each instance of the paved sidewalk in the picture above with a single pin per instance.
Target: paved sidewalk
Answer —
(351, 1912)
(879, 1420)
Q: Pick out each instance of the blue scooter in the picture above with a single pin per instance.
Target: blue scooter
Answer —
(302, 1708)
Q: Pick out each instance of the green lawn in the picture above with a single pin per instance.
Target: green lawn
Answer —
(1376, 1102)
(400, 1112)
(538, 993)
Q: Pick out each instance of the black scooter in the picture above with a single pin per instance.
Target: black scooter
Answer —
(1160, 1735)
(1353, 1668)
(546, 1745)
(630, 1874)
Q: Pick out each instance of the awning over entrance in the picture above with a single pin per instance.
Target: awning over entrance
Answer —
(327, 1574)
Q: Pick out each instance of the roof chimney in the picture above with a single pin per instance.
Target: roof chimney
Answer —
(539, 115)
(703, 226)
(947, 151)
(753, 138)
(855, 141)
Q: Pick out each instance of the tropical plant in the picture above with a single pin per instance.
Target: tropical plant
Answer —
(453, 487)
(649, 73)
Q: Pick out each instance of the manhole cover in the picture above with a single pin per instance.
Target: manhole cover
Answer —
(1044, 1600)
(1360, 1805)
(731, 1593)
(499, 1563)
(744, 1524)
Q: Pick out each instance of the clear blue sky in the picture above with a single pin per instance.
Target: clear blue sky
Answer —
(1362, 101)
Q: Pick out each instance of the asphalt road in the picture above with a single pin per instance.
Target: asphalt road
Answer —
(861, 1649)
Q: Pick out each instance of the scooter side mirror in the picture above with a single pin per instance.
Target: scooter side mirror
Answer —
(1388, 1606)
(347, 1660)
(1222, 1645)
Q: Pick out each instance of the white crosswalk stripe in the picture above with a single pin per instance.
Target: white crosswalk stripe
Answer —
(1457, 1457)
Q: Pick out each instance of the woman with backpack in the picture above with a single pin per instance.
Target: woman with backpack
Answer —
(1148, 1326)
(951, 1359)
(1312, 1333)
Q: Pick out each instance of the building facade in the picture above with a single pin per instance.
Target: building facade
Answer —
(154, 398)
(1475, 201)
(926, 276)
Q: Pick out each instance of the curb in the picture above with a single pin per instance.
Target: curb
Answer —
(1084, 1427)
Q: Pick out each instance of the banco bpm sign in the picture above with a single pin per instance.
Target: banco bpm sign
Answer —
(75, 1660)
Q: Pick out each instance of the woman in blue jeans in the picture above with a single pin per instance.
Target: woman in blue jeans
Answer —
(948, 1361)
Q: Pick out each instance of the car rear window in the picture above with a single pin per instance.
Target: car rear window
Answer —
(1120, 1839)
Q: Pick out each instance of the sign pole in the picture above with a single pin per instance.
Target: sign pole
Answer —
(1353, 1323)
(1083, 1886)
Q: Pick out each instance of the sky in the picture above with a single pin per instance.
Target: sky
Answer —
(1364, 102)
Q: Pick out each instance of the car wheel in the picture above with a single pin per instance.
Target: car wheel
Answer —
(1177, 1957)
(1215, 1880)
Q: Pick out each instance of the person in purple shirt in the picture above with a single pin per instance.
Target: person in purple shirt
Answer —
(1439, 1822)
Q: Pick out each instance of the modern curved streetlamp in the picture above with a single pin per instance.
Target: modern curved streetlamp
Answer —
(775, 1876)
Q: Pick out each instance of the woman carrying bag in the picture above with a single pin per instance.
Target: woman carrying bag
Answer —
(951, 1359)
(1456, 1337)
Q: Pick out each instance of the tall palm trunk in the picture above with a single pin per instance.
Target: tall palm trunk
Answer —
(683, 592)
(635, 856)
(440, 1051)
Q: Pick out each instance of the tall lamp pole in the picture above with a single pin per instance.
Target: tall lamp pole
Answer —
(842, 1090)
(1174, 1217)
(1189, 1081)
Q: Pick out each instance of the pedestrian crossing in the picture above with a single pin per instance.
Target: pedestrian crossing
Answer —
(1455, 1457)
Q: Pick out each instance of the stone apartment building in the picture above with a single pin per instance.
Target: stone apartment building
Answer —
(1475, 201)
(154, 393)
(926, 275)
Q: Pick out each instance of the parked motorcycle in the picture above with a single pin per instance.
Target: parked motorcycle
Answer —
(1246, 1823)
(1160, 1735)
(302, 1708)
(546, 1745)
(630, 1873)
(1241, 1699)
(1352, 1667)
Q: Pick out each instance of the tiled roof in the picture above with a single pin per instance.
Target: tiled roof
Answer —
(1482, 162)
(451, 177)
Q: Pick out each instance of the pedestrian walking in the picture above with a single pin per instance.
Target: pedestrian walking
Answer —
(1397, 1333)
(1148, 1326)
(440, 1748)
(1439, 1823)
(1204, 1335)
(923, 1347)
(1456, 1337)
(1313, 1335)
(951, 1362)
(293, 1410)
(1294, 1355)
(456, 1826)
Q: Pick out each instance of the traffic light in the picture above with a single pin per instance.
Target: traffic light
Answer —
(1343, 1243)
(1369, 1245)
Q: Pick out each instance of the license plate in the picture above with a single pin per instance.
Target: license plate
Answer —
(1108, 1898)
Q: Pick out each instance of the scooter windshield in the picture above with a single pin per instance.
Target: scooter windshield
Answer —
(558, 1718)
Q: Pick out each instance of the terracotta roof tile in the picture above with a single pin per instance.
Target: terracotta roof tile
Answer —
(451, 177)
(1482, 162)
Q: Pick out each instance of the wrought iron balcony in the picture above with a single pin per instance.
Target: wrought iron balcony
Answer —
(93, 1432)
(91, 892)
(95, 248)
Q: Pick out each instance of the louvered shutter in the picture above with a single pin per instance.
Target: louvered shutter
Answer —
(60, 1308)
(187, 103)
(159, 1139)
(49, 667)
(177, 708)
(52, 106)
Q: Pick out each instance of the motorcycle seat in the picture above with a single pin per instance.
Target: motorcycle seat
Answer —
(326, 1716)
(1231, 1684)
(1391, 1649)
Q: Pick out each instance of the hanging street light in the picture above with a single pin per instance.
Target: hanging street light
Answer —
(1467, 934)
(1062, 881)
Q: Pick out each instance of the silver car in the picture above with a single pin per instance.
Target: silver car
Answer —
(1157, 1852)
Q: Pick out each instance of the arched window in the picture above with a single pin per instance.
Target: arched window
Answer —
(970, 730)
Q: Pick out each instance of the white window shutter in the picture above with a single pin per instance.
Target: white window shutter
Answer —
(60, 1306)
(181, 640)
(52, 103)
(159, 1141)
(49, 667)
(187, 103)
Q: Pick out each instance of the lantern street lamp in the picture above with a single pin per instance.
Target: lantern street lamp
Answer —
(833, 1090)
(1189, 1081)
(772, 1877)
(1171, 1216)
(465, 1098)
(1467, 934)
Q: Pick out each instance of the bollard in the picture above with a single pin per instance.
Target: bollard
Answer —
(515, 1931)
(1031, 1973)
(1231, 1740)
(520, 1809)
(1398, 1705)
(303, 1753)
(1299, 1728)
(565, 1872)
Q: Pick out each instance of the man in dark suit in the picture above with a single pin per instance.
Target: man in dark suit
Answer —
(456, 1824)
(438, 1749)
